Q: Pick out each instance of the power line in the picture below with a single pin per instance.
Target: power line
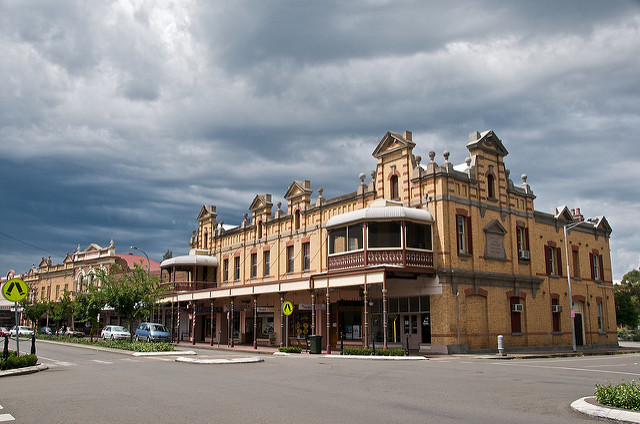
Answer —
(27, 243)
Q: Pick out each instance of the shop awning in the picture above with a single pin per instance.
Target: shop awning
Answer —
(187, 262)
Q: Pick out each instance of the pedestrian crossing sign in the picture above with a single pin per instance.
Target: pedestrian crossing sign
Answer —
(287, 308)
(15, 290)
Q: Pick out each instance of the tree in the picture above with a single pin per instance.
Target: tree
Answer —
(626, 309)
(62, 310)
(88, 305)
(34, 311)
(631, 277)
(130, 292)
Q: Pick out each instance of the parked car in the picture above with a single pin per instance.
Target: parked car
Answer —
(152, 332)
(4, 331)
(23, 331)
(114, 332)
(73, 332)
(46, 330)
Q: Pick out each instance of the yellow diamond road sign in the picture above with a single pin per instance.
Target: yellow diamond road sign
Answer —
(15, 290)
(287, 308)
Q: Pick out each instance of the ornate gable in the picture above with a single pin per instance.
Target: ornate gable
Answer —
(563, 214)
(487, 141)
(392, 142)
(298, 189)
(261, 204)
(207, 212)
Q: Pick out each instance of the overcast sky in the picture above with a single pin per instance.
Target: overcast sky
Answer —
(120, 119)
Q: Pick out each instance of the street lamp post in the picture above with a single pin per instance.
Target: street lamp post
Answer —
(147, 256)
(148, 266)
(568, 227)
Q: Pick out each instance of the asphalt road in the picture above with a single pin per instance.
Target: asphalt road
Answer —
(87, 386)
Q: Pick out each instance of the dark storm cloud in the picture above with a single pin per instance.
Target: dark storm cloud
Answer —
(120, 119)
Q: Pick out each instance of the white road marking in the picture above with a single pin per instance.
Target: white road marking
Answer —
(101, 362)
(6, 417)
(56, 362)
(567, 368)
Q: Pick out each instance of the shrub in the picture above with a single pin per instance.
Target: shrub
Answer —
(290, 349)
(624, 395)
(114, 344)
(356, 351)
(14, 361)
(390, 352)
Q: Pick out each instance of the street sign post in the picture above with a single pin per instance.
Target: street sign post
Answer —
(15, 290)
(287, 309)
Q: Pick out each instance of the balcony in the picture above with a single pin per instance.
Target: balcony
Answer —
(187, 286)
(395, 257)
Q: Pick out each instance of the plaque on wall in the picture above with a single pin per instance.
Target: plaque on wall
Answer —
(494, 234)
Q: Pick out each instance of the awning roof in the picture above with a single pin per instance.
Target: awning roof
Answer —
(187, 262)
(381, 213)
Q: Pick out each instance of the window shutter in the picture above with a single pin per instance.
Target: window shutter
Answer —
(458, 232)
(601, 265)
(546, 259)
(593, 271)
(559, 257)
(469, 236)
(526, 237)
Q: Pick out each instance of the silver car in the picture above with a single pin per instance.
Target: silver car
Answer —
(22, 331)
(115, 332)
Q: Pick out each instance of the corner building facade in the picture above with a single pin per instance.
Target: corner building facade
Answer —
(437, 258)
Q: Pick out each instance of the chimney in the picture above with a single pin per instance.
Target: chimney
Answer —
(474, 136)
(577, 215)
(407, 135)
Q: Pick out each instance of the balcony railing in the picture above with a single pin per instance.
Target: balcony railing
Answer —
(186, 286)
(408, 258)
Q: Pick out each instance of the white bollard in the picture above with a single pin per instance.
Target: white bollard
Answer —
(501, 345)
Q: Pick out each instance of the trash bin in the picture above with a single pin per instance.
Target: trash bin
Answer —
(315, 344)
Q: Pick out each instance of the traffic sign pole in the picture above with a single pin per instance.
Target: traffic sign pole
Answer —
(17, 332)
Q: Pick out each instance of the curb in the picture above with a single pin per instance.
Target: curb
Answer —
(363, 357)
(239, 360)
(171, 353)
(585, 407)
(378, 358)
(25, 370)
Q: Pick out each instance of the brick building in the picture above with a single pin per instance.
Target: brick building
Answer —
(441, 257)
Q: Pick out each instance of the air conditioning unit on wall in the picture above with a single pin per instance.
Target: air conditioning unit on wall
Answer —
(524, 255)
(517, 307)
(556, 308)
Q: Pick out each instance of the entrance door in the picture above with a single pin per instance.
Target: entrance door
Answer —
(410, 326)
(578, 307)
(578, 327)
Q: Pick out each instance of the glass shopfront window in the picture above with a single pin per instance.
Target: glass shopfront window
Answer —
(265, 324)
(403, 314)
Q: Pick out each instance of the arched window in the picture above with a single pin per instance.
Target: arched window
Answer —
(206, 239)
(296, 220)
(259, 229)
(491, 189)
(393, 181)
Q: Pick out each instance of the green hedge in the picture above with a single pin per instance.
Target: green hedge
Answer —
(290, 349)
(390, 352)
(624, 395)
(14, 361)
(356, 351)
(114, 344)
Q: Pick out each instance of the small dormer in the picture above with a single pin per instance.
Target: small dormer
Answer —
(298, 195)
(489, 153)
(260, 212)
(207, 219)
(395, 163)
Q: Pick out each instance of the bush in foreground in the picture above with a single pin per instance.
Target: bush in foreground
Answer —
(624, 395)
(14, 361)
(290, 349)
(114, 344)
